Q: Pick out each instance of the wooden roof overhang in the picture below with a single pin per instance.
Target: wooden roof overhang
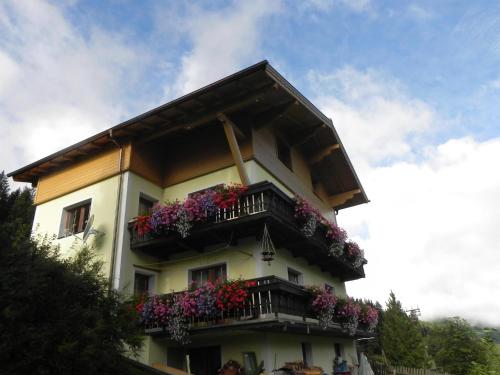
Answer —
(256, 96)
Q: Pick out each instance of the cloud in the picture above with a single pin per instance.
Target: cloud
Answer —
(375, 106)
(433, 235)
(58, 82)
(221, 42)
(419, 12)
(327, 5)
(429, 231)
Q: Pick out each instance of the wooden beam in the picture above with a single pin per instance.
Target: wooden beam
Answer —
(240, 136)
(320, 155)
(196, 121)
(235, 149)
(339, 199)
(305, 136)
(79, 152)
(274, 113)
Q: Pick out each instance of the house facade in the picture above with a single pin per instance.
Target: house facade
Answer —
(253, 129)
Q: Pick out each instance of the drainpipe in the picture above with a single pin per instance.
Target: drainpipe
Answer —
(117, 210)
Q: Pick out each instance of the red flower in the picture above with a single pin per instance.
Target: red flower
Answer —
(142, 225)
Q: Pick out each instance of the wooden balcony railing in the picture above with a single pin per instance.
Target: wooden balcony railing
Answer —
(261, 203)
(274, 304)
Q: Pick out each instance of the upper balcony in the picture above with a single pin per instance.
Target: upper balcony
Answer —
(263, 203)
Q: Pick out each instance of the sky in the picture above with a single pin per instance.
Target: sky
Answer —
(413, 88)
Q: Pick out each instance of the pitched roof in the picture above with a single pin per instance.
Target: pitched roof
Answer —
(260, 93)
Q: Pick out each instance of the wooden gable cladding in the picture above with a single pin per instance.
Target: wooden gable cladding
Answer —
(200, 152)
(147, 161)
(83, 173)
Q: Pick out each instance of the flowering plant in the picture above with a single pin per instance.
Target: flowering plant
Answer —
(175, 311)
(177, 324)
(227, 196)
(323, 304)
(307, 215)
(142, 225)
(354, 253)
(347, 312)
(180, 217)
(336, 237)
(369, 316)
(164, 217)
(206, 300)
(233, 294)
(152, 311)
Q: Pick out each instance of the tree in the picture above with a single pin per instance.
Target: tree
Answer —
(57, 316)
(458, 349)
(16, 212)
(401, 337)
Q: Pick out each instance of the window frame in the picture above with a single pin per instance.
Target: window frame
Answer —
(202, 268)
(282, 145)
(66, 211)
(145, 197)
(152, 279)
(300, 276)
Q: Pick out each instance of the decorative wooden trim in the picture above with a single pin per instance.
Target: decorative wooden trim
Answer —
(339, 199)
(319, 156)
(235, 149)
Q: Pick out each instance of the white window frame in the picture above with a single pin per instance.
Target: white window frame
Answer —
(299, 274)
(190, 270)
(62, 233)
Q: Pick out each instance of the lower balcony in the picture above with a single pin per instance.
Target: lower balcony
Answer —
(272, 304)
(262, 204)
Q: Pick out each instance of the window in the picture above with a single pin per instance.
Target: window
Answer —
(307, 355)
(141, 284)
(212, 274)
(74, 218)
(144, 282)
(284, 153)
(294, 276)
(146, 205)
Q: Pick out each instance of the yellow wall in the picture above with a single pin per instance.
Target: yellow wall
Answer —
(173, 275)
(181, 190)
(240, 264)
(273, 348)
(286, 347)
(103, 194)
(298, 180)
(312, 275)
(135, 185)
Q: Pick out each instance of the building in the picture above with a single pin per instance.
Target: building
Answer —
(252, 128)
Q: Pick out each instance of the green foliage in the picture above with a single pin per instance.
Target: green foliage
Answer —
(16, 212)
(57, 316)
(401, 337)
(458, 349)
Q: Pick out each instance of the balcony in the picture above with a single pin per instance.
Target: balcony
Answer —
(263, 203)
(273, 305)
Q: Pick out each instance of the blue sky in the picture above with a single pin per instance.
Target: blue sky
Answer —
(413, 88)
(447, 52)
